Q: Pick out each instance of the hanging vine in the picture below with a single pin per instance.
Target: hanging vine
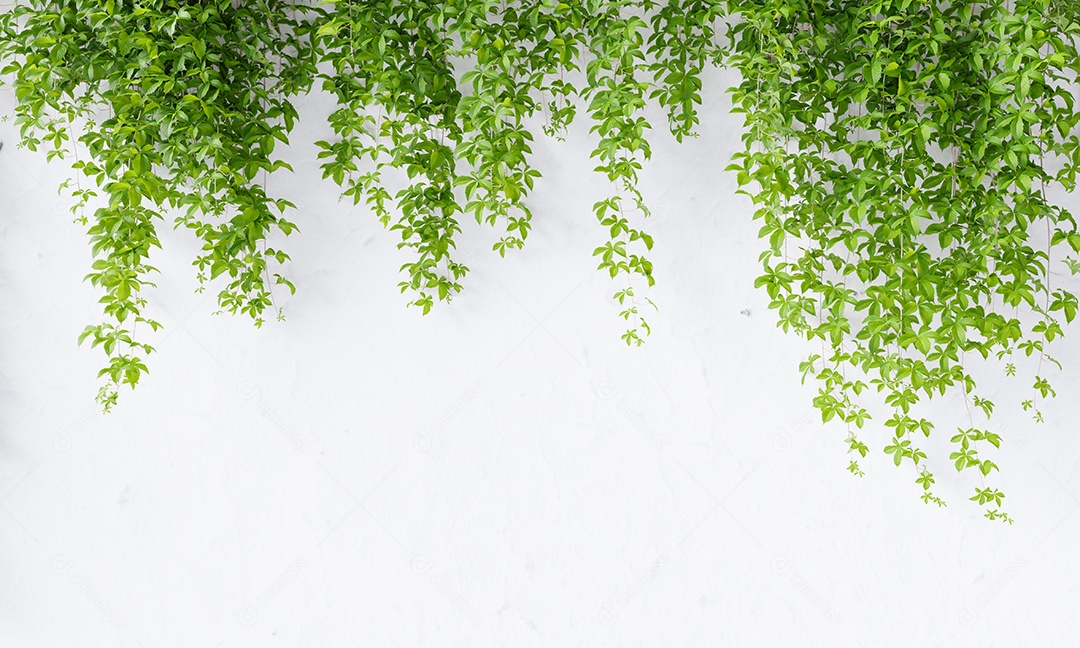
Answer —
(174, 109)
(169, 108)
(902, 153)
(445, 92)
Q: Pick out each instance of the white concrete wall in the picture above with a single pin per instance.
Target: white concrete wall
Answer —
(502, 472)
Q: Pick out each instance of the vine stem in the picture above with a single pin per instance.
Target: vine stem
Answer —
(262, 241)
(79, 173)
(629, 275)
(971, 419)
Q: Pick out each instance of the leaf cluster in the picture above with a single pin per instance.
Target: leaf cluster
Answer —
(902, 154)
(174, 110)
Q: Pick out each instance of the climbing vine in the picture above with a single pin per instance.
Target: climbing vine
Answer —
(903, 153)
(174, 109)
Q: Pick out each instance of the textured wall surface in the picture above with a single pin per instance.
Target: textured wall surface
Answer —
(502, 472)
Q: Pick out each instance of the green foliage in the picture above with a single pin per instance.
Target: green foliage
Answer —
(445, 91)
(178, 108)
(903, 152)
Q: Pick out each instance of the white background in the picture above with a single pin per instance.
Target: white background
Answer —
(502, 472)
